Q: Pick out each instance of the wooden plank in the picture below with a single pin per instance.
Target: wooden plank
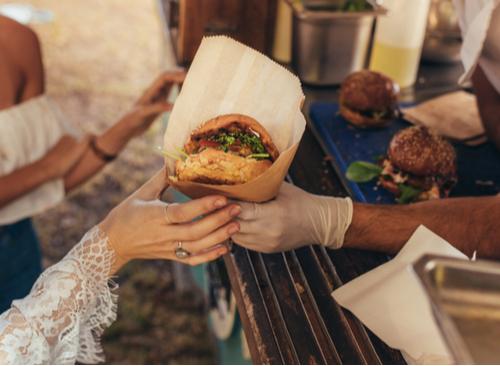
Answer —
(287, 348)
(303, 290)
(264, 347)
(302, 334)
(347, 332)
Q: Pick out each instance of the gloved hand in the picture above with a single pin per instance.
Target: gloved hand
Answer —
(144, 227)
(294, 218)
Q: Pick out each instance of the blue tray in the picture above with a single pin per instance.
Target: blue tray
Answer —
(478, 167)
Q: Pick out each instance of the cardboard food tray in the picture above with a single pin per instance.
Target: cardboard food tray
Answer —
(227, 77)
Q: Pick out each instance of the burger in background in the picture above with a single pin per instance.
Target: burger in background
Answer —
(420, 165)
(368, 99)
(421, 160)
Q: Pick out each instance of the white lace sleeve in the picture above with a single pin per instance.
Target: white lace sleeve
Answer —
(67, 310)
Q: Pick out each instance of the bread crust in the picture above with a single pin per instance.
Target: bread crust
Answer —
(241, 121)
(213, 166)
(362, 121)
(419, 151)
(368, 91)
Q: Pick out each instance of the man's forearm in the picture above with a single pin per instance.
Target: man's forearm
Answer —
(467, 223)
(488, 102)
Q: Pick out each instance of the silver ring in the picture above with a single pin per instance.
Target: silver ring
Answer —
(180, 252)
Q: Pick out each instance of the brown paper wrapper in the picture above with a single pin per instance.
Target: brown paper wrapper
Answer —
(453, 115)
(228, 77)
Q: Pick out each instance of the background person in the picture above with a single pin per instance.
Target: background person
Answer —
(22, 79)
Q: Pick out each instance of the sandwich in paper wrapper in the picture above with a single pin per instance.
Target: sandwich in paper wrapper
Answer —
(236, 124)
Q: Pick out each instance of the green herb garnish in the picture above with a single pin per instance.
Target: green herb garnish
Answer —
(356, 5)
(362, 171)
(226, 139)
(180, 154)
(379, 115)
(408, 193)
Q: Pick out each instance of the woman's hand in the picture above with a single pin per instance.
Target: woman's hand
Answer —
(293, 219)
(64, 155)
(144, 227)
(152, 102)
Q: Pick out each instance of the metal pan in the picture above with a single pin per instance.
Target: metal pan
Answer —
(465, 298)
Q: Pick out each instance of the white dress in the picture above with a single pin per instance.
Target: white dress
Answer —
(67, 310)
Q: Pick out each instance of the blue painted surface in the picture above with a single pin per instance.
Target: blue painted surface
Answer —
(478, 167)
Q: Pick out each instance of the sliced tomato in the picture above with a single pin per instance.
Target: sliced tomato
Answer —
(208, 143)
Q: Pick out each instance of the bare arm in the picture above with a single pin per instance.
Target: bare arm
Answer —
(111, 142)
(468, 223)
(488, 102)
(24, 180)
(146, 109)
(296, 218)
(55, 164)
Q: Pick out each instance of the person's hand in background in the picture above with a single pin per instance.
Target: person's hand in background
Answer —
(293, 219)
(109, 144)
(144, 227)
(152, 103)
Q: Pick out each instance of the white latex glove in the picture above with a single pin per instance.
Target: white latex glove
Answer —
(293, 219)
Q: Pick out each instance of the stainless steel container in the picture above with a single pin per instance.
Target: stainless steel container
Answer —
(329, 45)
(443, 39)
(465, 299)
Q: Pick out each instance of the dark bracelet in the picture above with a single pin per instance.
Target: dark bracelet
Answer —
(104, 156)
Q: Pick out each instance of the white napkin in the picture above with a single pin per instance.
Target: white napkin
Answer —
(27, 132)
(391, 302)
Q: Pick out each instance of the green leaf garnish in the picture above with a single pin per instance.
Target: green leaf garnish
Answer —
(172, 155)
(362, 171)
(226, 139)
(356, 5)
(259, 156)
(408, 193)
(182, 152)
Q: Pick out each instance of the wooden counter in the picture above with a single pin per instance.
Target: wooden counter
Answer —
(284, 299)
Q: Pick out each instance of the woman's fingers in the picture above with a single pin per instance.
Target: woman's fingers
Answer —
(216, 237)
(201, 228)
(178, 213)
(207, 256)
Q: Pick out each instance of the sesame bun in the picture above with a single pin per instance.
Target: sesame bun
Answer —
(364, 93)
(419, 151)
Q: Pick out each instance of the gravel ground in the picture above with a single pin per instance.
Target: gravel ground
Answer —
(99, 55)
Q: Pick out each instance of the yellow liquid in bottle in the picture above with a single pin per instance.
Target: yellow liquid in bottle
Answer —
(399, 63)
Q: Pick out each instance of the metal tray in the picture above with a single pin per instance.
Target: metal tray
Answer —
(465, 298)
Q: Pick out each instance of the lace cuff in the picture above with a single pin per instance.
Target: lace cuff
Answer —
(62, 319)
